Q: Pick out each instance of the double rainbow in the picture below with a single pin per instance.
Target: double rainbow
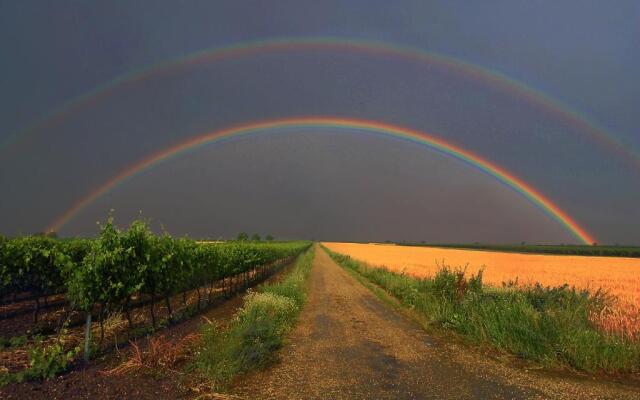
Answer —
(468, 70)
(438, 144)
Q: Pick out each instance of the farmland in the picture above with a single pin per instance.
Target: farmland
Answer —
(619, 276)
(555, 326)
(123, 284)
(254, 347)
(578, 250)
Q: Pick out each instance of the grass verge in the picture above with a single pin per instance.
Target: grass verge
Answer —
(548, 325)
(257, 330)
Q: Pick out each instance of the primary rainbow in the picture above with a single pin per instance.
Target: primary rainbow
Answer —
(475, 72)
(411, 135)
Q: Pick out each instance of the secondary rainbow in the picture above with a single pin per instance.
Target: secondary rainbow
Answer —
(475, 72)
(515, 183)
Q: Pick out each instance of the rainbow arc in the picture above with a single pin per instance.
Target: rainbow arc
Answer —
(491, 78)
(262, 127)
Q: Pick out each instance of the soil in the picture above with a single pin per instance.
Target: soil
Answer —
(15, 359)
(348, 344)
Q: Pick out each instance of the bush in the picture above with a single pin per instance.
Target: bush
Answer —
(257, 330)
(262, 323)
(33, 264)
(47, 361)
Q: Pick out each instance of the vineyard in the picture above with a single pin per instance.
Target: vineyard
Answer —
(60, 299)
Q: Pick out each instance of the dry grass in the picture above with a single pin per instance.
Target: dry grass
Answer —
(618, 276)
(161, 354)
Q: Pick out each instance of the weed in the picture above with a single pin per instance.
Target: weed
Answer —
(257, 330)
(160, 354)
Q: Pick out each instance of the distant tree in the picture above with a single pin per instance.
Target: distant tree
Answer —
(268, 238)
(255, 237)
(52, 234)
(243, 236)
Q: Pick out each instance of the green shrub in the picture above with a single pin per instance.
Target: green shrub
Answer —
(257, 330)
(262, 323)
(47, 361)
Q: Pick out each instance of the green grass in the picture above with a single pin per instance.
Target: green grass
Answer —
(550, 326)
(257, 330)
(581, 250)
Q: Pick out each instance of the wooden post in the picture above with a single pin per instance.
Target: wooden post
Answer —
(153, 314)
(168, 303)
(87, 338)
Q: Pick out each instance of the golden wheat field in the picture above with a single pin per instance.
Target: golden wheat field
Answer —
(617, 275)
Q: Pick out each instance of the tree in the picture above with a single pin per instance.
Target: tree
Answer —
(269, 238)
(243, 236)
(255, 237)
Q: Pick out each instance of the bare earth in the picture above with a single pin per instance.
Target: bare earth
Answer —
(349, 345)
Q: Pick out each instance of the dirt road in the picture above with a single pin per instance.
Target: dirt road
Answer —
(349, 345)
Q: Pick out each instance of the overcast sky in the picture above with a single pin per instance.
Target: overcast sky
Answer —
(329, 183)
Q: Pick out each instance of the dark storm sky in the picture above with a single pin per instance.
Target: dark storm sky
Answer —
(332, 184)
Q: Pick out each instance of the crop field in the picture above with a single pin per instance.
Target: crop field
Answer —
(120, 285)
(578, 250)
(618, 276)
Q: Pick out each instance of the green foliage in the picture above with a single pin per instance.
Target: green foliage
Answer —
(293, 286)
(48, 361)
(75, 249)
(121, 264)
(262, 323)
(111, 271)
(257, 330)
(243, 237)
(33, 264)
(15, 341)
(171, 266)
(550, 325)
